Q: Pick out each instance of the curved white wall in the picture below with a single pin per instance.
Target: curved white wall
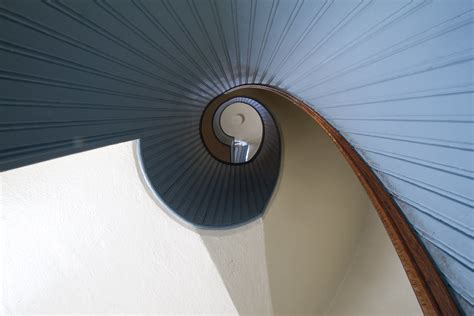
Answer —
(82, 235)
(375, 282)
(316, 227)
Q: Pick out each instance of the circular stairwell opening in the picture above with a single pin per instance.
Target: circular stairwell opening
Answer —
(243, 129)
(221, 174)
(234, 131)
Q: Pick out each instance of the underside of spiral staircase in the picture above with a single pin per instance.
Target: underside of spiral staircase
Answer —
(390, 82)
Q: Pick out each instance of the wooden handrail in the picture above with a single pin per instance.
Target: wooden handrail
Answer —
(429, 287)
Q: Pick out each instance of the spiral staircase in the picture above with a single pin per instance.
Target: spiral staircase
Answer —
(392, 79)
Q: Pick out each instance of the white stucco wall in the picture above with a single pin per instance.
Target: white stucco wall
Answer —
(83, 235)
(239, 255)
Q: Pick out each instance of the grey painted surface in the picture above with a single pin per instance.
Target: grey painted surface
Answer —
(201, 189)
(395, 77)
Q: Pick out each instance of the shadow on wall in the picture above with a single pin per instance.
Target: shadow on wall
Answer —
(297, 259)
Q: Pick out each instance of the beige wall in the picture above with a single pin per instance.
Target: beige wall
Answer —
(375, 282)
(300, 258)
(326, 250)
(239, 255)
(312, 225)
(82, 235)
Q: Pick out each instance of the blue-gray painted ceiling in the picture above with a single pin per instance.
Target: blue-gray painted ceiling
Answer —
(205, 191)
(395, 78)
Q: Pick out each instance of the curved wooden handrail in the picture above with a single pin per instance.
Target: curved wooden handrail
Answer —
(429, 287)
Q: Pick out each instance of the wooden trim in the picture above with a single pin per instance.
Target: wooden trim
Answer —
(429, 287)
